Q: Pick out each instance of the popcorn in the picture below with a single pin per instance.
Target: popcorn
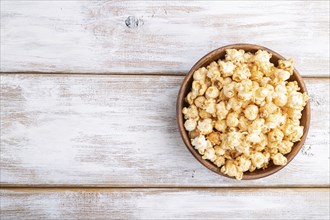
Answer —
(219, 151)
(236, 56)
(261, 93)
(274, 120)
(256, 126)
(282, 75)
(220, 161)
(241, 73)
(200, 101)
(228, 90)
(279, 159)
(234, 139)
(235, 104)
(253, 138)
(262, 60)
(232, 120)
(231, 170)
(297, 133)
(243, 148)
(213, 71)
(244, 163)
(210, 106)
(190, 125)
(258, 159)
(209, 154)
(292, 86)
(285, 147)
(190, 98)
(281, 100)
(220, 125)
(221, 110)
(296, 100)
(214, 138)
(286, 65)
(194, 133)
(198, 87)
(280, 89)
(191, 112)
(201, 144)
(251, 112)
(275, 135)
(204, 114)
(243, 113)
(226, 68)
(205, 126)
(294, 114)
(200, 74)
(212, 92)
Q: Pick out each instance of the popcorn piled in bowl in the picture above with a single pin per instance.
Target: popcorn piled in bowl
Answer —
(243, 113)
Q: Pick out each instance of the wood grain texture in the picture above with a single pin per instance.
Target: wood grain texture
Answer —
(165, 204)
(83, 130)
(158, 36)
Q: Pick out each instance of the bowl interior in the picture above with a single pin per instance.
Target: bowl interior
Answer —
(186, 87)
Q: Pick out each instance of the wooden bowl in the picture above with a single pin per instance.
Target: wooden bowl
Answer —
(186, 87)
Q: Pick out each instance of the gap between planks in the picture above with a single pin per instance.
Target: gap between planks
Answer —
(142, 74)
(245, 189)
(94, 187)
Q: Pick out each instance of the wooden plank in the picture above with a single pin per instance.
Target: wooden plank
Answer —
(92, 37)
(82, 130)
(165, 204)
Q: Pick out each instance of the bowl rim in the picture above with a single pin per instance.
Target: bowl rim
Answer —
(204, 61)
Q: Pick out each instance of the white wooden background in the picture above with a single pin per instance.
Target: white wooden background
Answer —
(88, 126)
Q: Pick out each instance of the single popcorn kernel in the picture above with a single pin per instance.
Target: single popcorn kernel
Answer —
(205, 126)
(220, 161)
(214, 138)
(213, 72)
(210, 106)
(285, 147)
(235, 104)
(190, 124)
(242, 112)
(232, 120)
(212, 92)
(219, 150)
(190, 112)
(228, 90)
(279, 159)
(258, 159)
(200, 74)
(201, 144)
(231, 170)
(221, 110)
(220, 125)
(204, 114)
(209, 154)
(199, 101)
(275, 135)
(253, 138)
(227, 68)
(296, 100)
(282, 75)
(281, 100)
(194, 133)
(251, 112)
(244, 163)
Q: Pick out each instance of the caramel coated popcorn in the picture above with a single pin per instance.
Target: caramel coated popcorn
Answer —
(243, 113)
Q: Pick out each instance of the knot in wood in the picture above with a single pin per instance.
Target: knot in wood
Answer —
(132, 22)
